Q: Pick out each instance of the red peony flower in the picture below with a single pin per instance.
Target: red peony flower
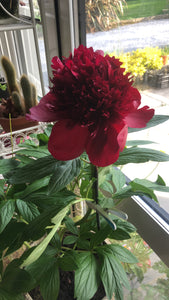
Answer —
(93, 103)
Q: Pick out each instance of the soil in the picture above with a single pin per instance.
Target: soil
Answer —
(67, 289)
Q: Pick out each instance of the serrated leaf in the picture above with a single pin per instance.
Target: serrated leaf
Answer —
(140, 155)
(37, 169)
(111, 272)
(36, 153)
(70, 239)
(35, 186)
(86, 276)
(42, 246)
(123, 254)
(64, 174)
(27, 210)
(7, 209)
(50, 282)
(156, 120)
(71, 225)
(100, 210)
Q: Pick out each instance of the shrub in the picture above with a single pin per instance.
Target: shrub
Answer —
(139, 61)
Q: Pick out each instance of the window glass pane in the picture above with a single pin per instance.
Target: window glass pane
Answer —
(148, 278)
(136, 31)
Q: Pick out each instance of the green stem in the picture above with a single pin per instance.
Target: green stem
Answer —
(94, 173)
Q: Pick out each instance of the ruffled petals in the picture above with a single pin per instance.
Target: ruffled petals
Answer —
(66, 142)
(45, 110)
(139, 118)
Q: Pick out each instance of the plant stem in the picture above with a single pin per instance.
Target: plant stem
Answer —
(94, 173)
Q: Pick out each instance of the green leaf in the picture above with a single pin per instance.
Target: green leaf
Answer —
(141, 188)
(159, 185)
(107, 186)
(4, 295)
(70, 239)
(126, 226)
(68, 261)
(123, 254)
(111, 271)
(7, 209)
(42, 246)
(119, 234)
(86, 276)
(139, 142)
(156, 120)
(101, 211)
(50, 282)
(140, 155)
(27, 210)
(160, 181)
(16, 281)
(64, 174)
(71, 225)
(37, 169)
(2, 182)
(99, 237)
(35, 152)
(7, 164)
(40, 266)
(35, 186)
(11, 235)
(118, 178)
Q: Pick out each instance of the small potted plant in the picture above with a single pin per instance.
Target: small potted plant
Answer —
(20, 100)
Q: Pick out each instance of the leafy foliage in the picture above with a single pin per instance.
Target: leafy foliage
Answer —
(38, 196)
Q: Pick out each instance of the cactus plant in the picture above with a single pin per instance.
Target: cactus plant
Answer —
(22, 97)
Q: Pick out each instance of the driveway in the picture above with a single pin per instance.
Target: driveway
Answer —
(130, 37)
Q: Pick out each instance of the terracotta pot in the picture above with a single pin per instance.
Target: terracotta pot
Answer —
(17, 123)
(165, 59)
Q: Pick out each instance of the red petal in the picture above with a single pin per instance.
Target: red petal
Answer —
(44, 111)
(65, 142)
(103, 150)
(139, 118)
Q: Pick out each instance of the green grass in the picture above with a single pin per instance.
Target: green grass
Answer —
(143, 8)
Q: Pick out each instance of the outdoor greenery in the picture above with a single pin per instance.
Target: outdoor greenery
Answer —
(141, 60)
(143, 8)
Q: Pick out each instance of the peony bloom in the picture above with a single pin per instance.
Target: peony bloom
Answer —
(93, 103)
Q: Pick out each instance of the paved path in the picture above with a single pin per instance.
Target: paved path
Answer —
(130, 37)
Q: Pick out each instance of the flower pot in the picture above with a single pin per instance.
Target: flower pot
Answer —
(17, 123)
(11, 6)
(165, 59)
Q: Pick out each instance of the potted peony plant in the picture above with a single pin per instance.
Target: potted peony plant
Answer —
(19, 101)
(72, 167)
